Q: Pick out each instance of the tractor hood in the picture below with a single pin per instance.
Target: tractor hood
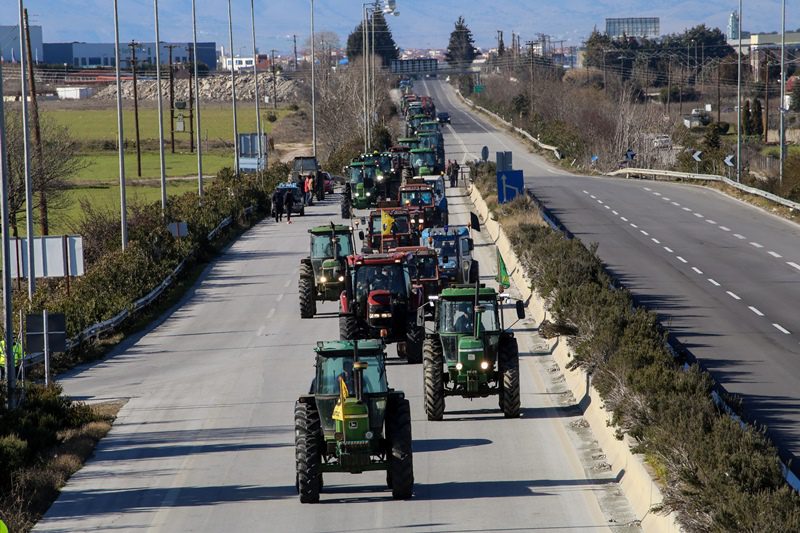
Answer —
(470, 353)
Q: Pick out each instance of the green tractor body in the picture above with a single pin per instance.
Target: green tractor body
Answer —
(409, 142)
(423, 161)
(351, 421)
(322, 272)
(365, 186)
(470, 354)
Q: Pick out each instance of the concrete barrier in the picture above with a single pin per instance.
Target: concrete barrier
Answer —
(635, 478)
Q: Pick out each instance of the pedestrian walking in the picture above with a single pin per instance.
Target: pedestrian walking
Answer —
(288, 202)
(308, 186)
(277, 205)
(454, 169)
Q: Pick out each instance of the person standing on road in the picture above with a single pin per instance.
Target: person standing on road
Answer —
(277, 205)
(454, 169)
(288, 202)
(307, 187)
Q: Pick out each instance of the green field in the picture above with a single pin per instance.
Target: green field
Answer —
(101, 124)
(775, 151)
(103, 167)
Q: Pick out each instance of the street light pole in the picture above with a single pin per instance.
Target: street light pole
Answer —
(364, 57)
(197, 103)
(8, 316)
(739, 103)
(783, 89)
(233, 93)
(255, 81)
(163, 167)
(29, 230)
(123, 207)
(313, 86)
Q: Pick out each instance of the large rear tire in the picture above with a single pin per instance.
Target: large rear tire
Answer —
(433, 372)
(306, 289)
(308, 452)
(508, 359)
(348, 327)
(345, 203)
(400, 474)
(415, 336)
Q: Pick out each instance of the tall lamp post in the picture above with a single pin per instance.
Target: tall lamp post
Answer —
(197, 103)
(313, 86)
(26, 140)
(783, 88)
(739, 102)
(233, 93)
(123, 207)
(163, 167)
(255, 81)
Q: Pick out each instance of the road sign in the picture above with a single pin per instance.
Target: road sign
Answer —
(54, 257)
(56, 332)
(510, 184)
(729, 160)
(485, 153)
(696, 156)
(178, 229)
(557, 154)
(478, 89)
(504, 161)
(630, 154)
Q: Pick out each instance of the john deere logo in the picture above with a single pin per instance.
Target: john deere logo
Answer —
(3, 527)
(353, 425)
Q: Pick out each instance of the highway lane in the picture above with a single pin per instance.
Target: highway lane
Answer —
(722, 274)
(205, 442)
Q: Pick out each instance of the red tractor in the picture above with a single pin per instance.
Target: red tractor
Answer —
(419, 198)
(424, 269)
(389, 228)
(380, 302)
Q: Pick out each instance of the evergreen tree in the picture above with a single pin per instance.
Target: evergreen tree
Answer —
(746, 122)
(756, 118)
(501, 47)
(795, 100)
(461, 49)
(385, 47)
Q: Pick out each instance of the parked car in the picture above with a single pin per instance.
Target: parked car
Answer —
(443, 117)
(328, 180)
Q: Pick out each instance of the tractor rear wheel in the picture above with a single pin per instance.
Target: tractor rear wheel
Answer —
(348, 327)
(400, 474)
(508, 359)
(305, 286)
(308, 458)
(433, 371)
(345, 202)
(415, 336)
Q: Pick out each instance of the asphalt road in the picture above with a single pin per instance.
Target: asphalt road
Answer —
(205, 442)
(723, 275)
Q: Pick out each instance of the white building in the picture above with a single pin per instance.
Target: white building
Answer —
(239, 63)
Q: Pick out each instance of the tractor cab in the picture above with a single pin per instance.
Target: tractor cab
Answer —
(429, 126)
(434, 141)
(363, 177)
(409, 142)
(389, 228)
(423, 161)
(423, 267)
(419, 198)
(322, 272)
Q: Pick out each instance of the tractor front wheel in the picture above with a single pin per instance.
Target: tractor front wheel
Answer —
(433, 371)
(308, 458)
(415, 337)
(400, 474)
(508, 358)
(348, 327)
(308, 304)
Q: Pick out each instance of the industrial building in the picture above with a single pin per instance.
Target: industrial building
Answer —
(637, 27)
(9, 43)
(89, 55)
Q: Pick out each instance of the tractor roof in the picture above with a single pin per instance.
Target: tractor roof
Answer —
(376, 259)
(416, 187)
(394, 211)
(449, 230)
(484, 293)
(364, 164)
(326, 230)
(429, 133)
(345, 348)
(414, 250)
(421, 151)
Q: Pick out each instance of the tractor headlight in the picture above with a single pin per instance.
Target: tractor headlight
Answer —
(341, 278)
(368, 435)
(484, 365)
(323, 279)
(459, 366)
(369, 194)
(380, 177)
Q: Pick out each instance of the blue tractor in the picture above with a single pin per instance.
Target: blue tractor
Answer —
(454, 246)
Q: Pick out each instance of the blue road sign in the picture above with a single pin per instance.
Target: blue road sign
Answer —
(510, 184)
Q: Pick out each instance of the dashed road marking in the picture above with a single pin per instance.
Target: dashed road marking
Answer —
(793, 264)
(615, 212)
(776, 255)
(668, 249)
(756, 245)
(634, 225)
(697, 270)
(655, 240)
(607, 207)
(288, 282)
(710, 221)
(260, 331)
(739, 236)
(782, 329)
(593, 197)
(714, 283)
(647, 188)
(687, 209)
(756, 311)
(681, 259)
(600, 201)
(676, 204)
(623, 219)
(657, 193)
(271, 313)
(644, 233)
(733, 295)
(280, 297)
(724, 228)
(585, 192)
(698, 215)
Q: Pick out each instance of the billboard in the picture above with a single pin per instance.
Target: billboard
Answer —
(415, 66)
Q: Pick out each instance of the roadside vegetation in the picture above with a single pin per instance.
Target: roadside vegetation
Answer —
(716, 473)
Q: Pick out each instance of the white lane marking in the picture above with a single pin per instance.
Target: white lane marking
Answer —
(697, 270)
(733, 295)
(714, 283)
(687, 209)
(607, 206)
(260, 331)
(681, 259)
(655, 240)
(634, 225)
(623, 219)
(288, 282)
(644, 233)
(592, 196)
(776, 255)
(710, 221)
(698, 215)
(615, 212)
(665, 198)
(756, 311)
(782, 329)
(271, 313)
(739, 236)
(585, 192)
(600, 202)
(647, 188)
(756, 245)
(676, 204)
(668, 249)
(793, 264)
(657, 193)
(724, 228)
(280, 297)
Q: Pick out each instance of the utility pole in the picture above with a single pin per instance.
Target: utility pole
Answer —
(29, 227)
(255, 81)
(313, 87)
(133, 45)
(783, 90)
(669, 84)
(36, 132)
(531, 73)
(191, 101)
(123, 205)
(171, 99)
(739, 102)
(233, 93)
(197, 103)
(274, 82)
(162, 162)
(719, 99)
(766, 101)
(294, 38)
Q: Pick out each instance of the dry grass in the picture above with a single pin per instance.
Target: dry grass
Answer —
(36, 487)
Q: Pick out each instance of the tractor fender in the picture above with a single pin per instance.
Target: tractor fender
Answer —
(344, 305)
(306, 399)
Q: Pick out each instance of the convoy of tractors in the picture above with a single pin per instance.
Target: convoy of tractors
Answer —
(413, 283)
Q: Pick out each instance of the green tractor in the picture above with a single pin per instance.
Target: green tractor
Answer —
(423, 161)
(361, 188)
(351, 421)
(322, 272)
(470, 353)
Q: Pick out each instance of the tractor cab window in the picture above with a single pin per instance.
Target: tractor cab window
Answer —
(392, 278)
(456, 316)
(323, 246)
(400, 225)
(446, 247)
(423, 267)
(356, 175)
(438, 187)
(331, 368)
(423, 159)
(416, 197)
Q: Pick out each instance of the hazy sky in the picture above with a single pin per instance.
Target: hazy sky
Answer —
(420, 23)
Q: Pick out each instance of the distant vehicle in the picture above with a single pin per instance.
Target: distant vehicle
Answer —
(328, 181)
(299, 205)
(443, 117)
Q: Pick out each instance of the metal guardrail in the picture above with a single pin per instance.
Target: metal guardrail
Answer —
(114, 322)
(705, 177)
